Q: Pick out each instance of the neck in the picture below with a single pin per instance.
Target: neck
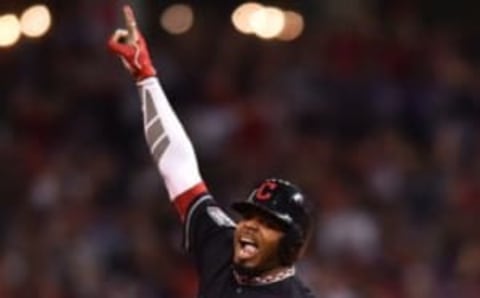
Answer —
(264, 278)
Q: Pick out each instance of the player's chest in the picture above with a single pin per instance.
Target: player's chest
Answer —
(227, 287)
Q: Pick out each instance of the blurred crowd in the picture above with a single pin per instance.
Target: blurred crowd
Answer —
(373, 111)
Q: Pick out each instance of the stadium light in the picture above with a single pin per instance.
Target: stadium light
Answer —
(267, 22)
(9, 30)
(242, 14)
(35, 21)
(177, 18)
(293, 28)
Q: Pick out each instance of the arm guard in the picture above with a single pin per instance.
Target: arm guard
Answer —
(169, 144)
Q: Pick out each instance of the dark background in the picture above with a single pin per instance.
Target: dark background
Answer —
(373, 111)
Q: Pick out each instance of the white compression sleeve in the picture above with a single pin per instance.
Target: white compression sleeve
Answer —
(169, 144)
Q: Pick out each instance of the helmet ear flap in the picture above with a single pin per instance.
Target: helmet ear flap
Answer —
(290, 246)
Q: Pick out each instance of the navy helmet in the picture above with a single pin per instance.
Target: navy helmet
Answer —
(284, 203)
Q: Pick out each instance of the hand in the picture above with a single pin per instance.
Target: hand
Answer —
(131, 47)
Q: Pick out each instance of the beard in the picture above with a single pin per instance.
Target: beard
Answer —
(246, 271)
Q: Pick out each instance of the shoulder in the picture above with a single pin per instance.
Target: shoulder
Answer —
(207, 209)
(205, 218)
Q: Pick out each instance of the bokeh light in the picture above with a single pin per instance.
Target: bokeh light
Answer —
(35, 21)
(242, 14)
(9, 30)
(177, 18)
(293, 28)
(267, 22)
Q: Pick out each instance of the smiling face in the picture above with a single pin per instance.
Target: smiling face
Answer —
(256, 243)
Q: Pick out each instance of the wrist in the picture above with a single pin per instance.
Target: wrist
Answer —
(145, 72)
(147, 81)
(145, 77)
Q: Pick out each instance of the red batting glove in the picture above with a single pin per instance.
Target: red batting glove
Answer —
(131, 47)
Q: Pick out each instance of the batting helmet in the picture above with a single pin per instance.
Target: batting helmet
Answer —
(283, 202)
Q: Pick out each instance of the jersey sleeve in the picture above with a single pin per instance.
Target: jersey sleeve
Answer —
(208, 236)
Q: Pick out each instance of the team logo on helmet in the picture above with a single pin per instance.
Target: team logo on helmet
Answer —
(264, 192)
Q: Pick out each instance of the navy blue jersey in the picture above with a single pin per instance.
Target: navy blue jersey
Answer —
(209, 239)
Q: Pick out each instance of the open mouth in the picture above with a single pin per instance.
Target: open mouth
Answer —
(248, 247)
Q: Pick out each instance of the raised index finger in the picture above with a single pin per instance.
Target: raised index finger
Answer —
(131, 23)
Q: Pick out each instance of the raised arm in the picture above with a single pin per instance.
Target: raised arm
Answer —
(169, 144)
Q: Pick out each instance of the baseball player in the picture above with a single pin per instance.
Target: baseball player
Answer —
(256, 256)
